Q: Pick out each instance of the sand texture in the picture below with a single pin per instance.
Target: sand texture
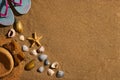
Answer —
(82, 35)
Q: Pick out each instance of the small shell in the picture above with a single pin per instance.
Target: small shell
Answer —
(41, 69)
(50, 72)
(30, 65)
(60, 74)
(18, 27)
(41, 49)
(55, 65)
(42, 57)
(46, 62)
(34, 52)
(25, 48)
(11, 33)
(22, 38)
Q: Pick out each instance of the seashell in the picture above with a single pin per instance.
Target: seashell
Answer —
(42, 57)
(30, 65)
(50, 72)
(41, 69)
(22, 38)
(60, 74)
(18, 27)
(54, 65)
(46, 62)
(41, 49)
(25, 48)
(11, 33)
(34, 52)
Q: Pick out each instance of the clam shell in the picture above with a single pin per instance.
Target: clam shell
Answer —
(11, 33)
(34, 52)
(30, 65)
(25, 48)
(54, 65)
(42, 57)
(41, 49)
(22, 38)
(60, 74)
(18, 27)
(46, 62)
(50, 72)
(41, 69)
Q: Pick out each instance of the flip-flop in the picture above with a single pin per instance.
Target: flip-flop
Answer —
(6, 14)
(21, 6)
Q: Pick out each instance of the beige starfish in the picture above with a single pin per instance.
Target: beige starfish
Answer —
(35, 40)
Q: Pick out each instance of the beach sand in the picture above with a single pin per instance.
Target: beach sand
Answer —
(82, 35)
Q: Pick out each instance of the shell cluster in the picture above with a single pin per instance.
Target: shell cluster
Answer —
(18, 27)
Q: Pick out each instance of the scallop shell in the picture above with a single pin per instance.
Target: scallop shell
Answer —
(22, 38)
(34, 52)
(30, 65)
(18, 27)
(11, 33)
(42, 57)
(50, 72)
(60, 74)
(25, 48)
(41, 49)
(41, 69)
(54, 65)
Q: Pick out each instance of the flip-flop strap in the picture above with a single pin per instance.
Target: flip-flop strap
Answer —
(6, 10)
(17, 3)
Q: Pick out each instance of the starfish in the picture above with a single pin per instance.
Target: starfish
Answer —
(35, 40)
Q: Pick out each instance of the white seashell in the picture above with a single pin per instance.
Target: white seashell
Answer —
(60, 74)
(46, 62)
(50, 72)
(55, 65)
(25, 48)
(41, 49)
(42, 57)
(34, 52)
(22, 38)
(11, 33)
(41, 69)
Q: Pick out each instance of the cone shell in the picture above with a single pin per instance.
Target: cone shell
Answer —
(18, 27)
